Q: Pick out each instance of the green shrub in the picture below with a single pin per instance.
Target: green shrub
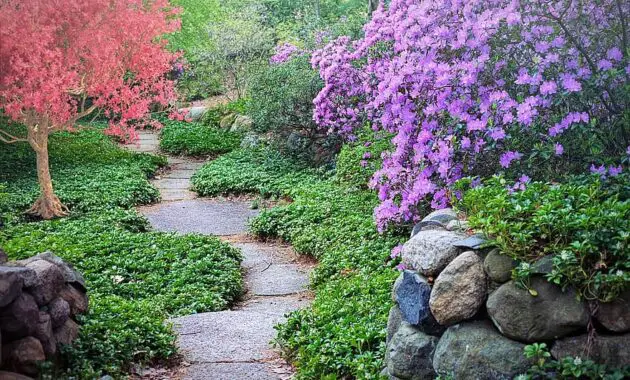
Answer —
(584, 224)
(358, 161)
(281, 103)
(136, 278)
(196, 139)
(342, 335)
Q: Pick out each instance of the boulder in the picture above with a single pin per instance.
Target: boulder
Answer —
(430, 251)
(442, 216)
(50, 281)
(10, 285)
(498, 267)
(250, 140)
(59, 310)
(412, 294)
(475, 350)
(552, 314)
(67, 333)
(227, 121)
(241, 124)
(44, 333)
(615, 315)
(457, 225)
(20, 318)
(612, 350)
(426, 226)
(195, 113)
(23, 355)
(542, 266)
(410, 354)
(70, 275)
(460, 290)
(4, 375)
(77, 299)
(394, 320)
(29, 277)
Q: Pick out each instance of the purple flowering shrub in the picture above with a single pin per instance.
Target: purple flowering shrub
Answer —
(534, 88)
(284, 52)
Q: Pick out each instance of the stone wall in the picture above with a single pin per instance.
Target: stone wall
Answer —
(40, 298)
(459, 314)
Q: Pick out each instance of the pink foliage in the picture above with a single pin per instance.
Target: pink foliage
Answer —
(62, 58)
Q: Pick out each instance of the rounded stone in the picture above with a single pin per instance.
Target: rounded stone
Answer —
(23, 355)
(44, 333)
(460, 290)
(611, 350)
(410, 354)
(77, 299)
(475, 350)
(430, 251)
(59, 310)
(498, 267)
(615, 315)
(10, 285)
(67, 333)
(50, 281)
(394, 320)
(552, 314)
(20, 318)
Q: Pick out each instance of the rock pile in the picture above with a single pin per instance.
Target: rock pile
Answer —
(459, 314)
(40, 298)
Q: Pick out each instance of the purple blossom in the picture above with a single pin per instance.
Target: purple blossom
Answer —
(548, 88)
(604, 65)
(601, 170)
(558, 149)
(507, 158)
(614, 54)
(570, 84)
(615, 170)
(396, 251)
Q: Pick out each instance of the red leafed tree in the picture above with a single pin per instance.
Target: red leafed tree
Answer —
(62, 60)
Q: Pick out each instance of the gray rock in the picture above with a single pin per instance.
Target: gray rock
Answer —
(394, 320)
(544, 265)
(615, 315)
(241, 124)
(50, 281)
(460, 290)
(428, 252)
(227, 121)
(475, 350)
(442, 216)
(498, 267)
(250, 140)
(550, 315)
(4, 375)
(23, 355)
(10, 285)
(612, 350)
(19, 319)
(107, 377)
(44, 333)
(410, 354)
(70, 275)
(67, 333)
(29, 277)
(457, 225)
(195, 113)
(426, 226)
(412, 295)
(473, 242)
(77, 300)
(59, 310)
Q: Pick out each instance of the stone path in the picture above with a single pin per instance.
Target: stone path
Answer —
(231, 344)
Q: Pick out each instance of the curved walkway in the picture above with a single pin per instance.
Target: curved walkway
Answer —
(231, 344)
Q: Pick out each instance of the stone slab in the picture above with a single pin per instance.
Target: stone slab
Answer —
(201, 216)
(276, 279)
(229, 371)
(170, 195)
(172, 183)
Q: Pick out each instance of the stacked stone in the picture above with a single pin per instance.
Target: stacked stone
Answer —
(40, 298)
(459, 314)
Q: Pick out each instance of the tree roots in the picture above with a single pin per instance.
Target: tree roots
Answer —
(48, 208)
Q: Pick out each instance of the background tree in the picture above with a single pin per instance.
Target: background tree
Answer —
(62, 60)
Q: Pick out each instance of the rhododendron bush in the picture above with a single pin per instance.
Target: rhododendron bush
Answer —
(61, 60)
(479, 86)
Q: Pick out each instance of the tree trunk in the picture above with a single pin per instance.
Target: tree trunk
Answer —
(47, 206)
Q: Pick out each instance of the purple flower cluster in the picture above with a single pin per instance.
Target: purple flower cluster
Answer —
(457, 79)
(283, 53)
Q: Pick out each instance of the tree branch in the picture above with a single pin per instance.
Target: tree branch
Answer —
(8, 138)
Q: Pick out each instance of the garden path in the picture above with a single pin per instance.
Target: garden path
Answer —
(231, 344)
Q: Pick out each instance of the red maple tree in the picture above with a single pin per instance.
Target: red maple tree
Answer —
(62, 60)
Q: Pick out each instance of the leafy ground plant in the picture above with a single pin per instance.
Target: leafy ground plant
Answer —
(136, 278)
(342, 334)
(196, 139)
(582, 224)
